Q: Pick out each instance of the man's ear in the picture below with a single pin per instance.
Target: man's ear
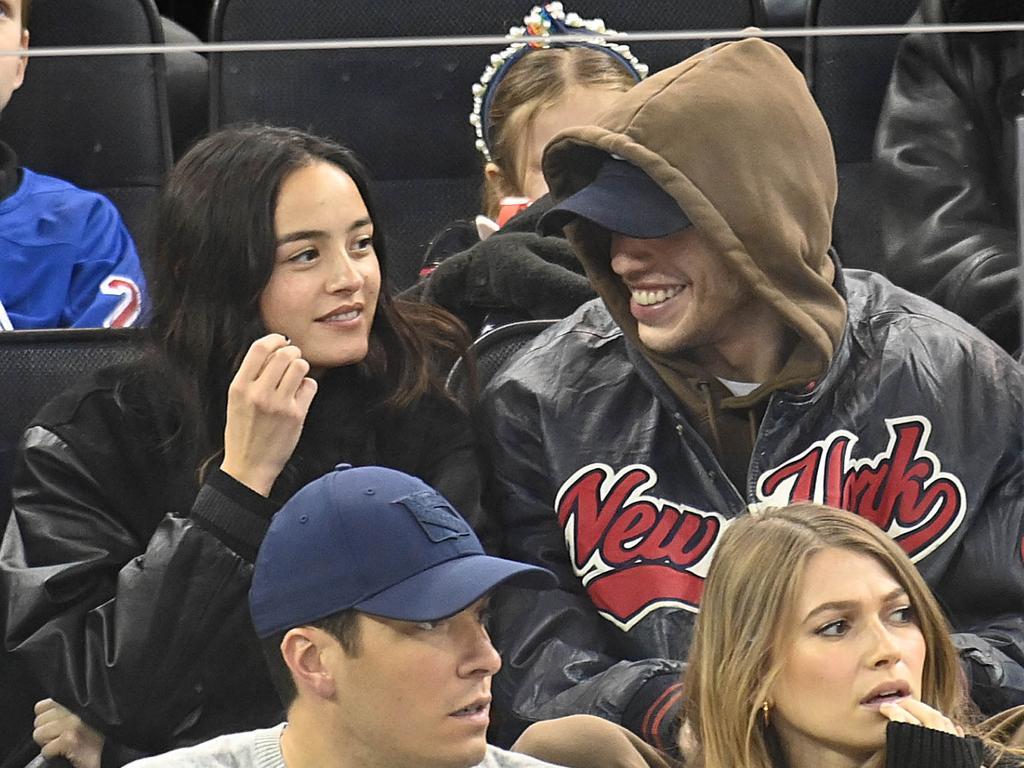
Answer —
(305, 650)
(23, 61)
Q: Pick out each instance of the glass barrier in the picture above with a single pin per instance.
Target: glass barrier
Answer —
(401, 100)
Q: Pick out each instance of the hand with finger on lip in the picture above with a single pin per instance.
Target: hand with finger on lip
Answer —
(914, 712)
(268, 400)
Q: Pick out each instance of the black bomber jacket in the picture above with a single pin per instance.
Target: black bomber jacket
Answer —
(945, 151)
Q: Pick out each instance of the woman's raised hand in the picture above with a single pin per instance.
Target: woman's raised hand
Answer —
(918, 713)
(268, 401)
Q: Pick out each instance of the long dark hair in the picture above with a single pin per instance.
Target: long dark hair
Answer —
(213, 254)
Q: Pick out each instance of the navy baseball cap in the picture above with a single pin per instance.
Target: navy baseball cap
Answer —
(621, 198)
(376, 540)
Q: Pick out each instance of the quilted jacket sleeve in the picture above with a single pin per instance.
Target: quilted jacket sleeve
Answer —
(135, 630)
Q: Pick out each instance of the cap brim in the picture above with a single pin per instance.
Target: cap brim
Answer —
(451, 586)
(626, 201)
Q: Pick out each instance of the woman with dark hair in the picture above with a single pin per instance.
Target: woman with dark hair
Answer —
(141, 496)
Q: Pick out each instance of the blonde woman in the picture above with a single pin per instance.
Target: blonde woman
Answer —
(819, 644)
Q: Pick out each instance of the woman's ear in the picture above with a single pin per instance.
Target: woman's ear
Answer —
(307, 651)
(497, 181)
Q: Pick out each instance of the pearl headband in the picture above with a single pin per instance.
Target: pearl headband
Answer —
(542, 21)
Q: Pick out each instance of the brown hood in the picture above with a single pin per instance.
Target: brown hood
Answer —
(734, 136)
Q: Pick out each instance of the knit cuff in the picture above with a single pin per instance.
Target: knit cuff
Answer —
(234, 513)
(653, 714)
(908, 745)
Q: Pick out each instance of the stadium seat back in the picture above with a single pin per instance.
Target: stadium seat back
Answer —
(36, 366)
(848, 77)
(404, 110)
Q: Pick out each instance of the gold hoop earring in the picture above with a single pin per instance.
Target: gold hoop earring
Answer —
(764, 712)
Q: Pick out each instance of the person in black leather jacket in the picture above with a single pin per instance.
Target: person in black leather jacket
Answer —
(141, 495)
(731, 364)
(945, 151)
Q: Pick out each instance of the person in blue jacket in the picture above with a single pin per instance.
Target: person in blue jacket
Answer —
(66, 258)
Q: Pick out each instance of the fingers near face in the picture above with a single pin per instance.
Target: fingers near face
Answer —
(258, 354)
(918, 713)
(897, 714)
(272, 362)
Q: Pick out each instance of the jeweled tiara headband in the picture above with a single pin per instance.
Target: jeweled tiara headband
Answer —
(543, 20)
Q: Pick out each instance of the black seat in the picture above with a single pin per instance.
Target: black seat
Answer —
(490, 352)
(405, 110)
(35, 366)
(100, 122)
(787, 13)
(848, 77)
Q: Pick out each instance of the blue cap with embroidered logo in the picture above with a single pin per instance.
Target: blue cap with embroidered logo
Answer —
(376, 540)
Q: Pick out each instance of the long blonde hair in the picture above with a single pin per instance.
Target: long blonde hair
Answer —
(750, 589)
(535, 82)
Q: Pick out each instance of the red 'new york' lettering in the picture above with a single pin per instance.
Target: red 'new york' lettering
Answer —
(633, 552)
(903, 489)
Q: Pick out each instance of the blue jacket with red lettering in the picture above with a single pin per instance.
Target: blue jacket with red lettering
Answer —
(66, 258)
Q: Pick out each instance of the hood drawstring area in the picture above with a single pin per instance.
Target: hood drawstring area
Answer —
(731, 432)
(704, 388)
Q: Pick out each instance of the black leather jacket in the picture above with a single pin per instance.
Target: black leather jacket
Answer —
(125, 582)
(945, 151)
(601, 478)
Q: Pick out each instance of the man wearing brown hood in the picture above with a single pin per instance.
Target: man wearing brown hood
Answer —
(729, 363)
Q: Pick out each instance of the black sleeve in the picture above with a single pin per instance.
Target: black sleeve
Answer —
(560, 657)
(133, 634)
(533, 275)
(913, 746)
(947, 234)
(436, 441)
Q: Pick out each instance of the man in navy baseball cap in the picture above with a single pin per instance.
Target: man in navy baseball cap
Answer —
(370, 595)
(377, 541)
(623, 199)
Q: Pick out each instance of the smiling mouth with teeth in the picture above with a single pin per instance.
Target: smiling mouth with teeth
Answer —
(342, 317)
(648, 298)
